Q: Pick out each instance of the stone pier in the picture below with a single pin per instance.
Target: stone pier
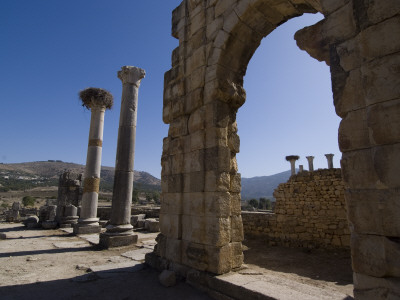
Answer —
(329, 158)
(120, 231)
(310, 163)
(97, 100)
(292, 159)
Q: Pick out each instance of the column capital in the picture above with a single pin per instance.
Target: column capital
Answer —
(132, 75)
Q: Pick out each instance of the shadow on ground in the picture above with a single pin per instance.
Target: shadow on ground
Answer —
(317, 264)
(123, 284)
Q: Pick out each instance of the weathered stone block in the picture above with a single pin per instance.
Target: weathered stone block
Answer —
(195, 255)
(193, 204)
(379, 11)
(171, 225)
(384, 122)
(177, 163)
(235, 203)
(352, 96)
(375, 255)
(193, 228)
(152, 225)
(377, 41)
(235, 186)
(353, 131)
(365, 177)
(374, 211)
(340, 25)
(196, 120)
(387, 164)
(167, 278)
(331, 6)
(381, 79)
(368, 287)
(219, 259)
(216, 136)
(217, 231)
(110, 241)
(217, 204)
(173, 250)
(197, 140)
(178, 127)
(237, 234)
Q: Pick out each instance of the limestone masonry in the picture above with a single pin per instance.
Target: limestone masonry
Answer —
(200, 219)
(310, 212)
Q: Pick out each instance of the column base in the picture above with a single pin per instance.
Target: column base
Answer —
(79, 229)
(112, 241)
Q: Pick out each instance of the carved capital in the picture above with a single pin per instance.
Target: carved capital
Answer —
(132, 75)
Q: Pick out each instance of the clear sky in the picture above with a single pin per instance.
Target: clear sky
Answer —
(50, 50)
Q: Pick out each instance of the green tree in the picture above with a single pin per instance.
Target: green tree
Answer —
(253, 202)
(265, 203)
(28, 201)
(148, 197)
(156, 197)
(135, 196)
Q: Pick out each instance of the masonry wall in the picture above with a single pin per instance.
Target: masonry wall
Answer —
(310, 212)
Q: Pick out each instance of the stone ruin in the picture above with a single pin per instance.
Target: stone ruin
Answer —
(310, 212)
(200, 219)
(69, 199)
(17, 213)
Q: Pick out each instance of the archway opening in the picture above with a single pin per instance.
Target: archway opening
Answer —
(292, 113)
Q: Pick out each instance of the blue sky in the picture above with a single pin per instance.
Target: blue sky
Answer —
(51, 50)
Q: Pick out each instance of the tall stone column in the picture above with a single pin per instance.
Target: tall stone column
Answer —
(292, 159)
(329, 157)
(97, 100)
(120, 231)
(310, 163)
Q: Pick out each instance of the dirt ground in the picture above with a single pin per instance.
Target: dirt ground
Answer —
(329, 270)
(53, 264)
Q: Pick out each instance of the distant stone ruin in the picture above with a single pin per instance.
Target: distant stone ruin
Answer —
(69, 195)
(310, 212)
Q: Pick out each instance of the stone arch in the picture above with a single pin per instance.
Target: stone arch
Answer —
(200, 216)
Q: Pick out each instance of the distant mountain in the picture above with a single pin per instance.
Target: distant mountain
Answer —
(47, 173)
(262, 186)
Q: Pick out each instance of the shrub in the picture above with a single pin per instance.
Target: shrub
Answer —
(28, 201)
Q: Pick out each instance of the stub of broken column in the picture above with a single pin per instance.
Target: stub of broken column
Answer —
(301, 169)
(120, 231)
(97, 100)
(292, 159)
(310, 163)
(329, 158)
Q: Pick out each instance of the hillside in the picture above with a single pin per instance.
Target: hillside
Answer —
(262, 186)
(46, 173)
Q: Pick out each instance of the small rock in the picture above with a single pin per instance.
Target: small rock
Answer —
(30, 258)
(31, 222)
(82, 267)
(3, 236)
(167, 278)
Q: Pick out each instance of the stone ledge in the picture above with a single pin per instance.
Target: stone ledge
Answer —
(86, 229)
(113, 241)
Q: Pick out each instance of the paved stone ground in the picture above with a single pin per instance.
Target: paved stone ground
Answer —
(53, 264)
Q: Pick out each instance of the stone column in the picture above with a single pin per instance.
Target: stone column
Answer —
(292, 159)
(329, 157)
(301, 169)
(97, 100)
(310, 163)
(120, 231)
